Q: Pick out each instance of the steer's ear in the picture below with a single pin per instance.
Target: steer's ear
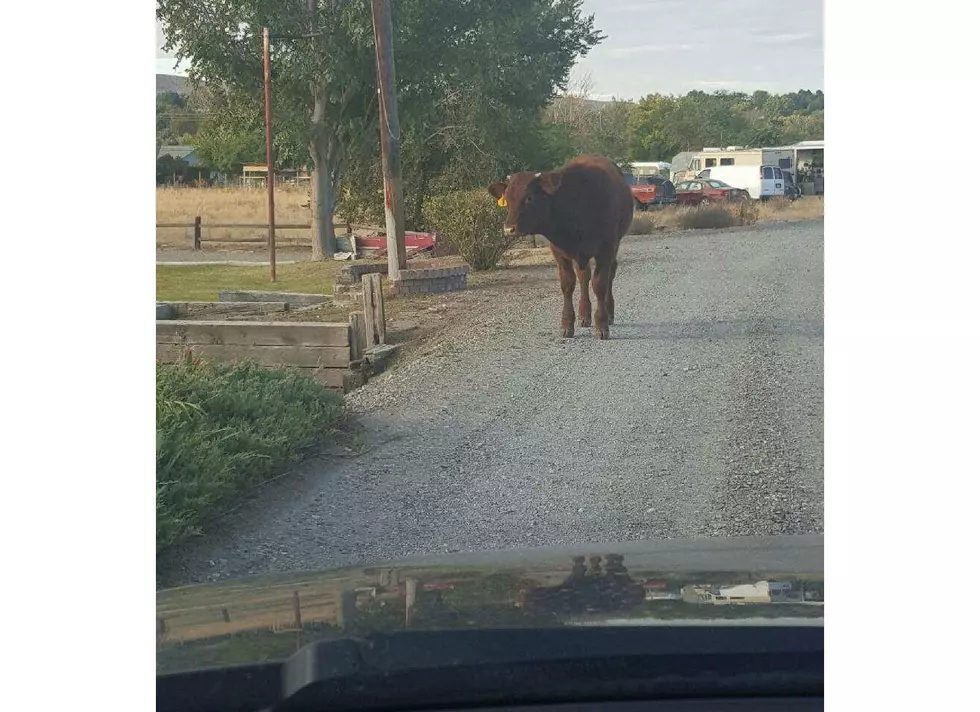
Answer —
(497, 189)
(550, 181)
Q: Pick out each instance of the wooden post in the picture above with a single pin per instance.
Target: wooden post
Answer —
(347, 611)
(357, 336)
(225, 614)
(297, 618)
(390, 134)
(411, 587)
(270, 173)
(161, 628)
(374, 310)
(197, 232)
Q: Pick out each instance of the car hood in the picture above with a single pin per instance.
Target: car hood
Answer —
(732, 581)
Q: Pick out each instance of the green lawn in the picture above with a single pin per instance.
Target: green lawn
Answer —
(201, 283)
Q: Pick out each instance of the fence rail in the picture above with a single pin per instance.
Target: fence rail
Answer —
(198, 226)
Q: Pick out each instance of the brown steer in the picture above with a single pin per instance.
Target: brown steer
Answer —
(583, 209)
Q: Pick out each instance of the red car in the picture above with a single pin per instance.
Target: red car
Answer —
(705, 191)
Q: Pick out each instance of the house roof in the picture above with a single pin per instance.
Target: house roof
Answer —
(175, 151)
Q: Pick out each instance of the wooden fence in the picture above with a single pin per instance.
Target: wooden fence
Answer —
(331, 353)
(198, 226)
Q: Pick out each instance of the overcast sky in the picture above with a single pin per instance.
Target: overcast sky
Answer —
(674, 46)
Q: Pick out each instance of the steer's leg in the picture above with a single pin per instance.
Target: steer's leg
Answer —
(566, 275)
(584, 275)
(600, 285)
(610, 302)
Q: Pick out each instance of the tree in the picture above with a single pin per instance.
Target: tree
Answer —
(324, 82)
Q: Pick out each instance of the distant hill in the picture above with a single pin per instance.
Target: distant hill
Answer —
(171, 83)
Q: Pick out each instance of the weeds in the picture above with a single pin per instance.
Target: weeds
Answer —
(706, 218)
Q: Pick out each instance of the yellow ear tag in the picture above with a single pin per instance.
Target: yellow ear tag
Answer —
(502, 202)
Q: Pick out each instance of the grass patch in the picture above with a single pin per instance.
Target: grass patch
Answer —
(222, 430)
(201, 283)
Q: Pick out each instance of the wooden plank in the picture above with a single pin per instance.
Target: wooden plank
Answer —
(374, 311)
(305, 356)
(338, 378)
(378, 303)
(357, 340)
(293, 299)
(248, 226)
(252, 333)
(182, 309)
(370, 330)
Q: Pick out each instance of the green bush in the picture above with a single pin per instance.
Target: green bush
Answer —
(222, 429)
(473, 223)
(706, 218)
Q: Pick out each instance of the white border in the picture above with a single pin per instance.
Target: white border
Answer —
(77, 494)
(900, 394)
(901, 307)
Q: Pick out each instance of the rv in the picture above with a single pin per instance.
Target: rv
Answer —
(650, 168)
(687, 166)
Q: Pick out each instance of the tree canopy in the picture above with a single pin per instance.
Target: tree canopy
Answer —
(472, 78)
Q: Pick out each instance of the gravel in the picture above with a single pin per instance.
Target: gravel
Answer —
(702, 416)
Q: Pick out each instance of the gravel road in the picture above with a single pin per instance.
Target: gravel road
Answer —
(702, 416)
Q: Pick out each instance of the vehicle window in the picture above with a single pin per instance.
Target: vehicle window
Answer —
(472, 403)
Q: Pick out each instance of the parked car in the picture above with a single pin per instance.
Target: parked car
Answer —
(651, 191)
(706, 191)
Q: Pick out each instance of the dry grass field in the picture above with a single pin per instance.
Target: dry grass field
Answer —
(684, 218)
(248, 205)
(228, 205)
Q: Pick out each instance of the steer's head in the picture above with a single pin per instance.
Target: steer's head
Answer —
(527, 197)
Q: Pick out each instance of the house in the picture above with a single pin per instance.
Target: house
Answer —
(188, 154)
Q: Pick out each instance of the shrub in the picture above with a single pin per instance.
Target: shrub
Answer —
(473, 223)
(706, 218)
(224, 429)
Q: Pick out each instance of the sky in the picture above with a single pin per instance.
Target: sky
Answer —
(675, 46)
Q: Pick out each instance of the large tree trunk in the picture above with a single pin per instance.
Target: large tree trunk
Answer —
(322, 205)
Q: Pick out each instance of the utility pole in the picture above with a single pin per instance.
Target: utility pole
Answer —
(270, 174)
(390, 133)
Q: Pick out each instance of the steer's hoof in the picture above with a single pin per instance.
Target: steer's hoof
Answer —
(585, 321)
(602, 334)
(568, 332)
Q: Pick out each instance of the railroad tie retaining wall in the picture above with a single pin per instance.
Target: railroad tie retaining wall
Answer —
(330, 353)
